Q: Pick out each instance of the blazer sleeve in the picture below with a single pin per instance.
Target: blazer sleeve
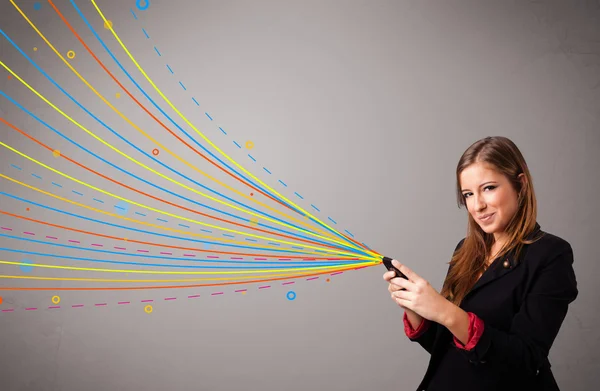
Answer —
(427, 338)
(526, 346)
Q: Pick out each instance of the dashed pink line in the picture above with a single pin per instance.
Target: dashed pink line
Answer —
(216, 293)
(143, 251)
(263, 287)
(124, 302)
(29, 233)
(120, 248)
(75, 241)
(312, 278)
(77, 306)
(51, 237)
(288, 283)
(97, 245)
(52, 307)
(170, 298)
(147, 301)
(193, 296)
(7, 229)
(30, 309)
(100, 304)
(166, 253)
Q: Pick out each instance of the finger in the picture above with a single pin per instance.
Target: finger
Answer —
(402, 283)
(389, 275)
(404, 295)
(406, 271)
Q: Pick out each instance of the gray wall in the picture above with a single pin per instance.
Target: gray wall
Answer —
(364, 109)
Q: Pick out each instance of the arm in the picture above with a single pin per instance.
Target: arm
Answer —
(534, 328)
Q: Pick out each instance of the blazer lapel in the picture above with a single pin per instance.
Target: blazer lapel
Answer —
(500, 268)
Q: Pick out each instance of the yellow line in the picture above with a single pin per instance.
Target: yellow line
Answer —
(267, 272)
(253, 199)
(130, 158)
(206, 139)
(145, 223)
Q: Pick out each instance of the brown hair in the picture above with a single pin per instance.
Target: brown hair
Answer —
(469, 259)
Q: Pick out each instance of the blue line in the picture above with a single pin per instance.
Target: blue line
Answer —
(193, 139)
(163, 220)
(332, 220)
(317, 209)
(208, 116)
(265, 168)
(195, 101)
(56, 184)
(238, 145)
(170, 70)
(231, 236)
(17, 167)
(136, 229)
(348, 232)
(251, 240)
(280, 181)
(205, 230)
(157, 52)
(183, 225)
(37, 176)
(141, 214)
(181, 84)
(146, 154)
(252, 158)
(97, 200)
(298, 195)
(133, 13)
(223, 131)
(76, 192)
(168, 265)
(120, 207)
(144, 30)
(274, 244)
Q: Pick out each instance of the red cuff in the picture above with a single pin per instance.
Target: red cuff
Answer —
(410, 332)
(476, 327)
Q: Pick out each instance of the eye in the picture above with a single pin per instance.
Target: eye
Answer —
(491, 187)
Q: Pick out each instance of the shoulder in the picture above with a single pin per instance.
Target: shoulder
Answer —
(550, 250)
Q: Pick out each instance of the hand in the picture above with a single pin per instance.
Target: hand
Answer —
(418, 295)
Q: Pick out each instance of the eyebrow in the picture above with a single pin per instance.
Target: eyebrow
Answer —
(483, 184)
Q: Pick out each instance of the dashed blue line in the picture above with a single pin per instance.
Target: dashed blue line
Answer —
(157, 52)
(280, 181)
(348, 232)
(97, 200)
(274, 244)
(133, 13)
(205, 230)
(298, 248)
(250, 156)
(223, 131)
(56, 184)
(332, 220)
(230, 236)
(183, 225)
(208, 116)
(37, 176)
(141, 214)
(163, 220)
(120, 207)
(317, 209)
(265, 168)
(251, 240)
(144, 30)
(298, 195)
(17, 167)
(170, 70)
(238, 145)
(182, 86)
(195, 101)
(76, 192)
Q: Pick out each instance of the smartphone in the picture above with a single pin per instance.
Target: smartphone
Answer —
(387, 261)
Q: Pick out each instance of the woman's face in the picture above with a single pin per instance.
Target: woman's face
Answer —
(489, 193)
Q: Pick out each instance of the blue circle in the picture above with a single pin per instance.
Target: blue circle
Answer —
(37, 6)
(291, 295)
(122, 207)
(142, 7)
(24, 268)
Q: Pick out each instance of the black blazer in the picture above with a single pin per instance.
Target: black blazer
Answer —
(523, 304)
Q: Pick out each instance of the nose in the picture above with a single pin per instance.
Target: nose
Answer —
(480, 203)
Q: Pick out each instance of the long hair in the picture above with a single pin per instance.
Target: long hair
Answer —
(469, 261)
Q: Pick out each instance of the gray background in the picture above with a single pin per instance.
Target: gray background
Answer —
(363, 108)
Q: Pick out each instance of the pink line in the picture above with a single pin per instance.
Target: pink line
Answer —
(211, 256)
(241, 290)
(166, 253)
(9, 310)
(101, 304)
(8, 229)
(29, 233)
(147, 301)
(288, 283)
(260, 259)
(97, 245)
(236, 258)
(217, 293)
(285, 259)
(53, 307)
(77, 305)
(75, 241)
(193, 296)
(336, 273)
(143, 251)
(30, 309)
(120, 248)
(312, 278)
(170, 298)
(124, 302)
(266, 286)
(51, 237)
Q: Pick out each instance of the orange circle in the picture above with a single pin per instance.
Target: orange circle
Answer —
(9, 77)
(328, 280)
(155, 152)
(252, 194)
(27, 209)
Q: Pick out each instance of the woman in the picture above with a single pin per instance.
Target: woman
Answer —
(507, 289)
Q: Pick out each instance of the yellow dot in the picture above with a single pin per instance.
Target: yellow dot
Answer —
(244, 292)
(35, 49)
(148, 309)
(125, 239)
(71, 54)
(108, 24)
(249, 144)
(118, 95)
(56, 153)
(55, 299)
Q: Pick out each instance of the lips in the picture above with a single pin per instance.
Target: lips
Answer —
(485, 217)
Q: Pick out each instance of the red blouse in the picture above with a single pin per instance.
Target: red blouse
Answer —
(476, 327)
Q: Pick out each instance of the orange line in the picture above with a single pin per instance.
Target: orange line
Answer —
(159, 199)
(169, 286)
(169, 130)
(166, 245)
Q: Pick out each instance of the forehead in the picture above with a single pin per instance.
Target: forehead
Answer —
(477, 173)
